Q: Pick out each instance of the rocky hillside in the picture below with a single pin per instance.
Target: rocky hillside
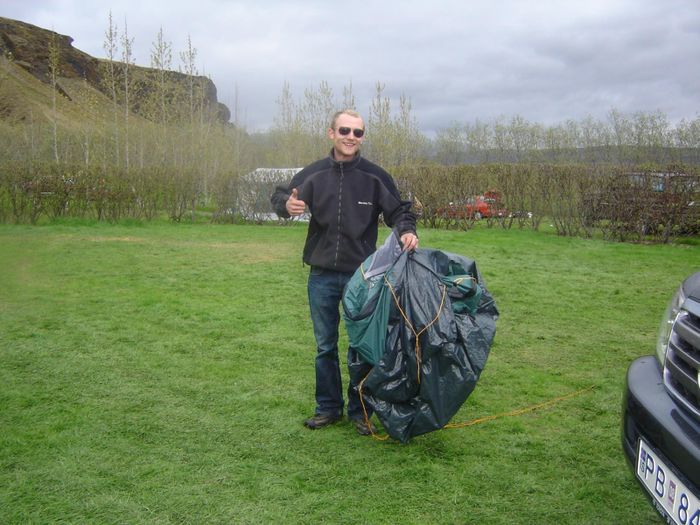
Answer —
(25, 80)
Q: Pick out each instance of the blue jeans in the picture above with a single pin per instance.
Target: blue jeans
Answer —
(325, 288)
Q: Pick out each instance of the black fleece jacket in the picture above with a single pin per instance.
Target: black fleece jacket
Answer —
(345, 200)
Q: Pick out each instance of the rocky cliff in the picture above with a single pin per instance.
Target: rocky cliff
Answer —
(27, 46)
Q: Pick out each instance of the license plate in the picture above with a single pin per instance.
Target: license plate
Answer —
(671, 496)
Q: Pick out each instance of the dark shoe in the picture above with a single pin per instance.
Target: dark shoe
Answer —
(321, 420)
(363, 427)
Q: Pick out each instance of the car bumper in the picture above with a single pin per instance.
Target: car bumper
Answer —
(650, 413)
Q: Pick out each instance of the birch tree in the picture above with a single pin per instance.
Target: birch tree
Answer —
(54, 71)
(161, 62)
(348, 97)
(108, 77)
(188, 57)
(127, 62)
(287, 130)
(379, 126)
(314, 117)
(406, 139)
(478, 137)
(450, 143)
(621, 132)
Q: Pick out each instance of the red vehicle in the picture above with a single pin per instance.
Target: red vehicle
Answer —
(484, 206)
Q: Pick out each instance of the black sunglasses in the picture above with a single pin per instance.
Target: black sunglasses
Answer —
(346, 131)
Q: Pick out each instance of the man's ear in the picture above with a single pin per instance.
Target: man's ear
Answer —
(330, 133)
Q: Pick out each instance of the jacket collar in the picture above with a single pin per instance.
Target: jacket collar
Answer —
(344, 165)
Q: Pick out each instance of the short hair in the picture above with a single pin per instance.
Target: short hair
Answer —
(350, 112)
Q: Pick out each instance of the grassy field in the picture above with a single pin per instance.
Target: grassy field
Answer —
(160, 374)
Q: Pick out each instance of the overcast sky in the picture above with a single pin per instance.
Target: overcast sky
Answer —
(545, 60)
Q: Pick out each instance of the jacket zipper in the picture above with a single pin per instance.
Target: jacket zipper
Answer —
(340, 202)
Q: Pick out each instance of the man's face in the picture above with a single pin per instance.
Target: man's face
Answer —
(346, 146)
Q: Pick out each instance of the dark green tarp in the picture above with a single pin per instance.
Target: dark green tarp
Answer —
(425, 321)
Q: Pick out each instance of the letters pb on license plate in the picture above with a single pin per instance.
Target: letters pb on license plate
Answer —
(671, 496)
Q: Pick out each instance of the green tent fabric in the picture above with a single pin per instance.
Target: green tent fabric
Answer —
(426, 322)
(367, 331)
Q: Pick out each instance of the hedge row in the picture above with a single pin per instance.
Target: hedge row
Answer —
(643, 203)
(647, 203)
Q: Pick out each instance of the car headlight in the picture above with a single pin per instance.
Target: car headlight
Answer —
(672, 311)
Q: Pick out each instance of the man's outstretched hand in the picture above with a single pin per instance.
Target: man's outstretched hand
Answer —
(294, 205)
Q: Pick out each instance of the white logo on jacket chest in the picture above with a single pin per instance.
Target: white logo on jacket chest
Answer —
(364, 203)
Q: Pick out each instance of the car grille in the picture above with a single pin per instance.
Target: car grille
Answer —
(683, 357)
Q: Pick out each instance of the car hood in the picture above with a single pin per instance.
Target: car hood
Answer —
(691, 286)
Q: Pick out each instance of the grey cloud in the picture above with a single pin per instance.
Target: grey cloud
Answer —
(547, 61)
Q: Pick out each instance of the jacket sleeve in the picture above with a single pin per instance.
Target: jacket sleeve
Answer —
(402, 218)
(397, 212)
(279, 200)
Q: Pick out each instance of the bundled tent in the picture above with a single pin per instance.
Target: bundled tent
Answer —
(425, 322)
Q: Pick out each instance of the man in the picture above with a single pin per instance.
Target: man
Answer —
(345, 194)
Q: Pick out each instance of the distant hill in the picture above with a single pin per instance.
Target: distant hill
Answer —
(26, 88)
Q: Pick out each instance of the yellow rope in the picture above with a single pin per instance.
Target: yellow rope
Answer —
(473, 422)
(476, 421)
(364, 413)
(410, 325)
(460, 280)
(362, 271)
(520, 411)
(417, 350)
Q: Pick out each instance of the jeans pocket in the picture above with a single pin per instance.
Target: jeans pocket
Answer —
(316, 270)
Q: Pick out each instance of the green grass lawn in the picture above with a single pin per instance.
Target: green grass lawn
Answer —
(160, 374)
